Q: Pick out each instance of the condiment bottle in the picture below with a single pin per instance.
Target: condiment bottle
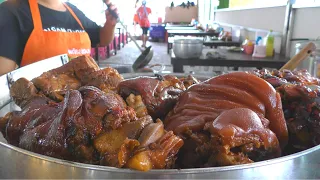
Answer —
(259, 49)
(248, 46)
(269, 44)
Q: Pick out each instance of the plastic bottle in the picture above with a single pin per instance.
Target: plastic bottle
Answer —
(259, 49)
(269, 44)
(259, 38)
(248, 46)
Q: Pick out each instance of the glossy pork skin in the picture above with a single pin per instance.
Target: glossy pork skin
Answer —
(73, 112)
(200, 106)
(92, 126)
(33, 114)
(300, 94)
(81, 71)
(277, 78)
(58, 129)
(56, 82)
(241, 129)
(204, 102)
(23, 91)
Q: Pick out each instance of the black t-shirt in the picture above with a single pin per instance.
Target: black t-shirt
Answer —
(16, 26)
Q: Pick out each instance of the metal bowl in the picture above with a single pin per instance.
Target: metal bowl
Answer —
(186, 48)
(19, 163)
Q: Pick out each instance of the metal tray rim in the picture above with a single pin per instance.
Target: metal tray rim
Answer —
(160, 171)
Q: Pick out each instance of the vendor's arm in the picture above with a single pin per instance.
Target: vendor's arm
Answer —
(107, 31)
(6, 65)
(98, 35)
(11, 43)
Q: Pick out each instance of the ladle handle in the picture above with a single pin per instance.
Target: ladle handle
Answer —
(115, 15)
(296, 60)
(112, 12)
(133, 39)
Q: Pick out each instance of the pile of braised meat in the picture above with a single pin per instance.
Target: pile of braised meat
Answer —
(80, 113)
(300, 95)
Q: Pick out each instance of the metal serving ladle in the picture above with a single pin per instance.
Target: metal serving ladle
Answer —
(145, 56)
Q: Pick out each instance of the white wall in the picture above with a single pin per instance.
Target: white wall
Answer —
(306, 24)
(260, 18)
(205, 17)
(305, 20)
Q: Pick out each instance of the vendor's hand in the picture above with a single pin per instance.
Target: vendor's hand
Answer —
(110, 19)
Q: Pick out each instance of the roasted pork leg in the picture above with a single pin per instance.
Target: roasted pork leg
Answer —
(300, 94)
(159, 94)
(82, 71)
(56, 82)
(66, 129)
(23, 91)
(203, 103)
(240, 136)
(105, 79)
(206, 101)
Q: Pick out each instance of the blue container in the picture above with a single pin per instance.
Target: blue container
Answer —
(157, 31)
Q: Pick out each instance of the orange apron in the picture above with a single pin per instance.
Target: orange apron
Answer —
(45, 44)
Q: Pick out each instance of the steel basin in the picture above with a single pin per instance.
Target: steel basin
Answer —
(18, 163)
(186, 48)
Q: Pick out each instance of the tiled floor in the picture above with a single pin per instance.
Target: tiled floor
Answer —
(130, 53)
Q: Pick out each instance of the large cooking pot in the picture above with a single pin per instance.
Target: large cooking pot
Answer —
(188, 47)
(18, 163)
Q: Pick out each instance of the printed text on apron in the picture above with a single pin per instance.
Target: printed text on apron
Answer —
(45, 44)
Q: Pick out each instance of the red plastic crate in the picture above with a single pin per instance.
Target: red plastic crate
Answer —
(102, 52)
(125, 38)
(93, 53)
(116, 37)
(111, 46)
(121, 37)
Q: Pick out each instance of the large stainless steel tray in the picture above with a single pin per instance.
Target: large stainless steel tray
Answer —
(18, 163)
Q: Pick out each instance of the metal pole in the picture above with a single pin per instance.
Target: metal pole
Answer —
(286, 28)
(290, 32)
